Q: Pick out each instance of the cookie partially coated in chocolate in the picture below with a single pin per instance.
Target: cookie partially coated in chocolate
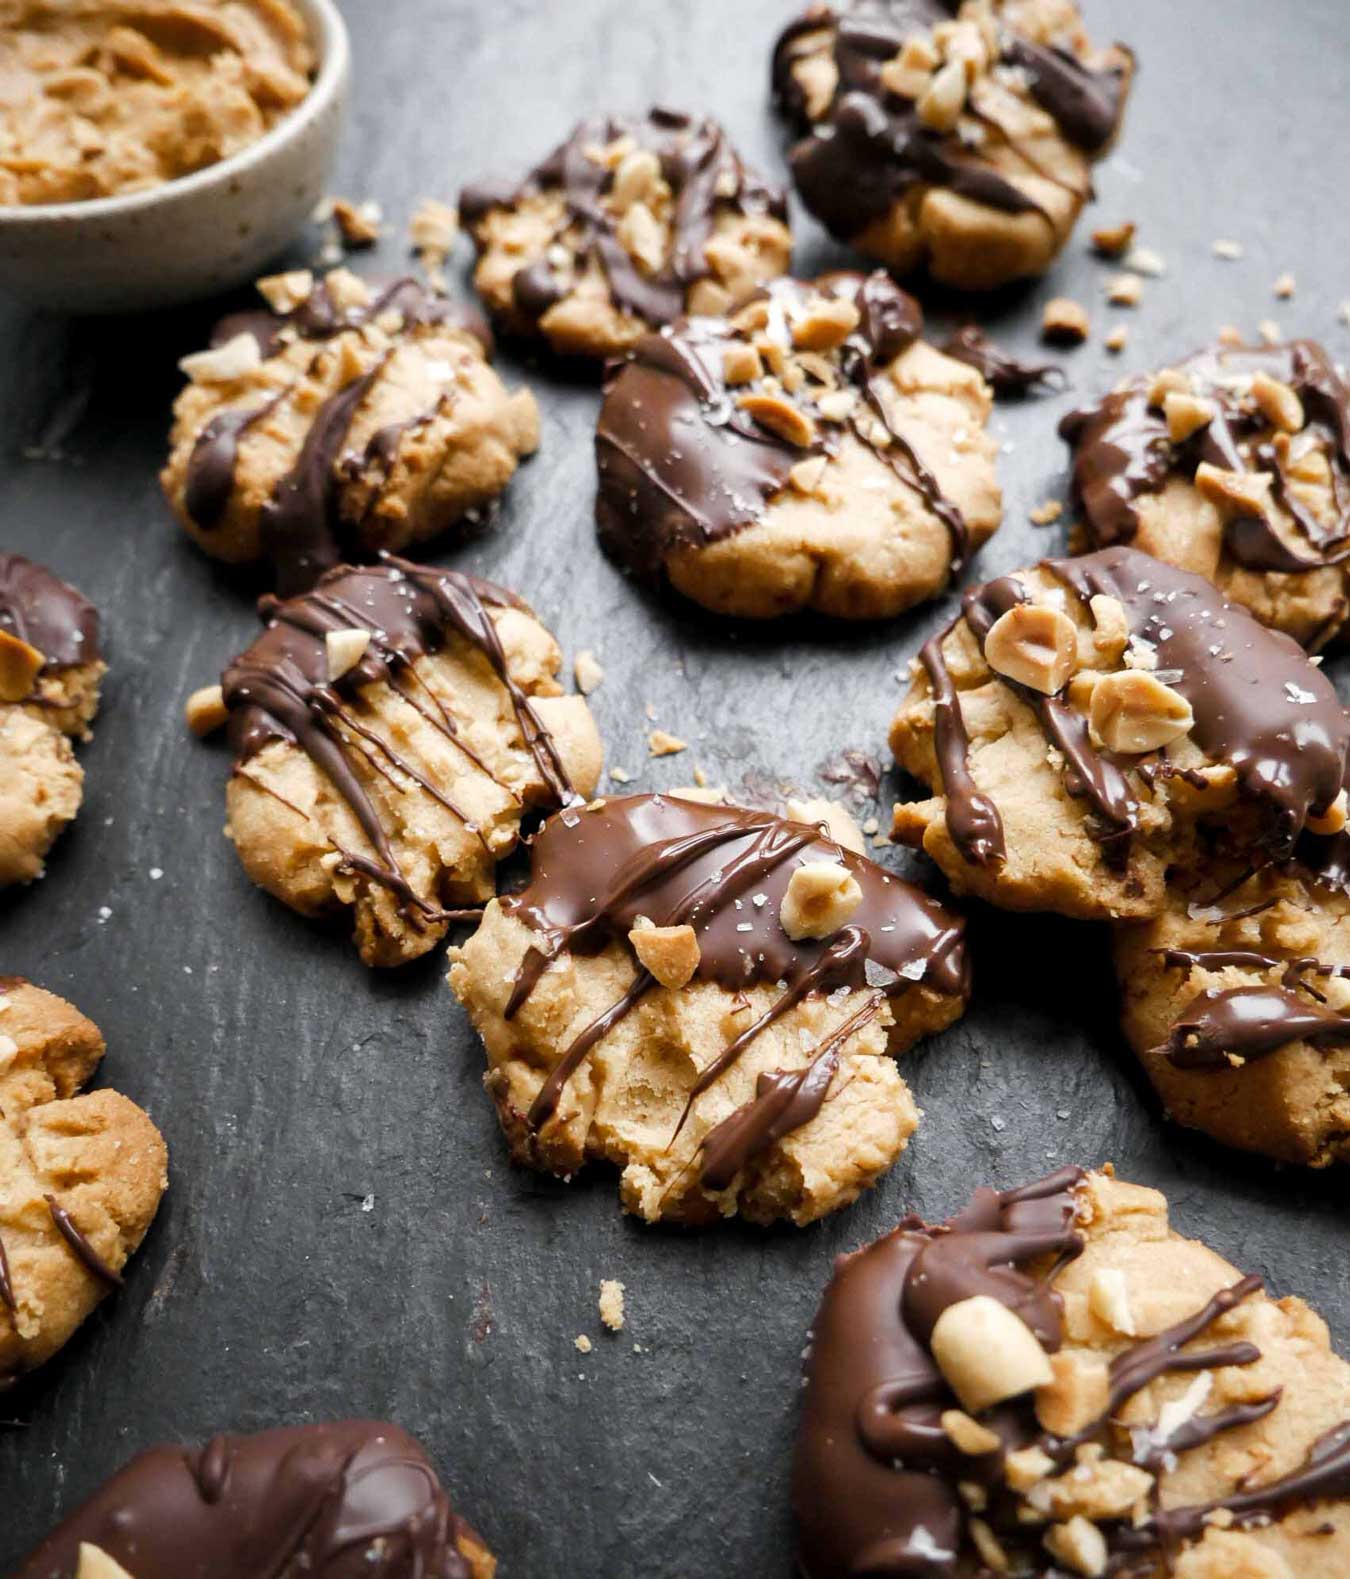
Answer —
(956, 136)
(810, 451)
(357, 1499)
(1237, 1001)
(1080, 720)
(392, 729)
(51, 666)
(1234, 463)
(628, 224)
(81, 1177)
(1055, 1383)
(710, 998)
(351, 417)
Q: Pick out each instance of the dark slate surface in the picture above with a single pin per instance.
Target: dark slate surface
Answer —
(293, 1085)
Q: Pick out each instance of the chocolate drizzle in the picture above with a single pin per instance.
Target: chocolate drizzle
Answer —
(7, 1282)
(1005, 374)
(723, 871)
(65, 1225)
(704, 175)
(351, 1500)
(868, 149)
(1122, 453)
(279, 690)
(47, 613)
(682, 465)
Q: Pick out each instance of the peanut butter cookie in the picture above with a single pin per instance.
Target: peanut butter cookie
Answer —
(350, 418)
(392, 728)
(810, 451)
(1056, 1383)
(1080, 719)
(706, 997)
(50, 669)
(81, 1177)
(626, 226)
(956, 137)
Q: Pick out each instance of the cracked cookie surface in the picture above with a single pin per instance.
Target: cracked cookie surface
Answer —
(1057, 1383)
(810, 451)
(392, 728)
(959, 138)
(350, 418)
(626, 226)
(642, 1002)
(1080, 719)
(81, 1177)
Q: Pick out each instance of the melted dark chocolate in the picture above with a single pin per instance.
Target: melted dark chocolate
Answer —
(351, 1500)
(1005, 374)
(66, 1227)
(7, 1282)
(869, 149)
(704, 175)
(47, 613)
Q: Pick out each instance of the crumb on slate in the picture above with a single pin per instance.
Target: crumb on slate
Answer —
(1047, 513)
(661, 744)
(611, 1303)
(588, 671)
(583, 1344)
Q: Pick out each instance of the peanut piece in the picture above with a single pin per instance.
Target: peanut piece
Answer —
(588, 672)
(283, 293)
(1246, 492)
(1111, 626)
(1109, 1300)
(1034, 645)
(345, 649)
(94, 1563)
(1114, 241)
(945, 97)
(1186, 415)
(820, 898)
(1126, 290)
(1277, 403)
(1134, 712)
(1331, 821)
(1079, 1545)
(671, 954)
(642, 238)
(807, 476)
(1024, 1467)
(1064, 322)
(969, 1436)
(1075, 1393)
(205, 711)
(741, 364)
(20, 665)
(838, 405)
(991, 1553)
(906, 82)
(986, 1353)
(635, 178)
(222, 364)
(781, 417)
(825, 324)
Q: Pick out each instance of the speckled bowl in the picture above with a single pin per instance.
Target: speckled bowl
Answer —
(194, 236)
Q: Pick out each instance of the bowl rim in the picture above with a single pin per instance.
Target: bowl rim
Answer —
(329, 34)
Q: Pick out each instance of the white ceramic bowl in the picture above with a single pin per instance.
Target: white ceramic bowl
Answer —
(195, 236)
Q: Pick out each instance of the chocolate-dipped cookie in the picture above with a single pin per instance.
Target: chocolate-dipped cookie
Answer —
(392, 728)
(956, 136)
(810, 451)
(707, 996)
(351, 417)
(1079, 720)
(357, 1499)
(51, 665)
(81, 1176)
(1055, 1383)
(627, 225)
(1234, 463)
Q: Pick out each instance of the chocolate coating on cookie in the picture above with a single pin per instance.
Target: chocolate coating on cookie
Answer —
(350, 1500)
(704, 174)
(723, 871)
(47, 613)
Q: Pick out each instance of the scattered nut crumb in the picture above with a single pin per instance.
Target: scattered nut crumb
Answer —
(205, 710)
(1118, 339)
(621, 776)
(1047, 513)
(345, 649)
(222, 364)
(1143, 260)
(433, 230)
(1269, 331)
(1230, 251)
(1284, 287)
(700, 777)
(1230, 335)
(589, 674)
(1125, 290)
(611, 1303)
(670, 954)
(583, 1344)
(661, 744)
(1064, 322)
(358, 223)
(1113, 241)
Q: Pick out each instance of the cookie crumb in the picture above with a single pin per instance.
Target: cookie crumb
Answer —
(700, 777)
(432, 231)
(621, 775)
(1269, 331)
(1064, 322)
(1284, 287)
(1126, 290)
(661, 744)
(611, 1303)
(1143, 260)
(358, 223)
(1118, 339)
(1230, 251)
(1047, 513)
(1230, 335)
(1113, 241)
(583, 1344)
(589, 674)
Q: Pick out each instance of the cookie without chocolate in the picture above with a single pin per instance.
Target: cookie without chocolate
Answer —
(392, 728)
(330, 1501)
(643, 1002)
(1078, 721)
(1234, 463)
(81, 1177)
(50, 670)
(959, 137)
(351, 418)
(1056, 1383)
(627, 225)
(811, 451)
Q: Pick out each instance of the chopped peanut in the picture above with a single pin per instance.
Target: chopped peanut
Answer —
(671, 954)
(986, 1353)
(205, 710)
(1034, 645)
(346, 648)
(820, 898)
(1134, 712)
(20, 665)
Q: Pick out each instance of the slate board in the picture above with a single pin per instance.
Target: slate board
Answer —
(293, 1085)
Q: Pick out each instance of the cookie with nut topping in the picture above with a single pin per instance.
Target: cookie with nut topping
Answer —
(51, 666)
(1235, 464)
(954, 137)
(626, 226)
(81, 1176)
(710, 998)
(392, 729)
(347, 419)
(1079, 721)
(811, 451)
(1055, 1382)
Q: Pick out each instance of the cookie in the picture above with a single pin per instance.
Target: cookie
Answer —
(392, 728)
(331, 1501)
(1056, 1383)
(1235, 464)
(628, 224)
(811, 451)
(1237, 1001)
(349, 418)
(959, 138)
(704, 996)
(1080, 719)
(81, 1177)
(50, 669)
